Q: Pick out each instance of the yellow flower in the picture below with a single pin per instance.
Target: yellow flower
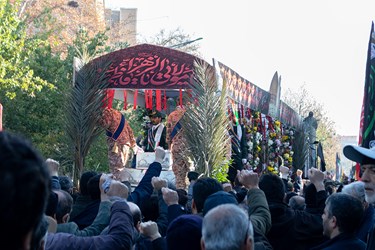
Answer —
(277, 123)
(269, 168)
(285, 137)
(259, 148)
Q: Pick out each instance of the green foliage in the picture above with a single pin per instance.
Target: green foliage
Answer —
(136, 121)
(221, 173)
(39, 116)
(15, 51)
(97, 157)
(94, 45)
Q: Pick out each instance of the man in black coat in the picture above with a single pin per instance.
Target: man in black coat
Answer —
(341, 218)
(302, 227)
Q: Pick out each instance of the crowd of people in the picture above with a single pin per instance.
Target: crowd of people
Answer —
(41, 210)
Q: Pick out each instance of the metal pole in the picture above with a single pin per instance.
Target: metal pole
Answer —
(185, 43)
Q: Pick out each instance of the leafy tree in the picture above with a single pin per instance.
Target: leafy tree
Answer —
(303, 103)
(15, 50)
(47, 35)
(61, 20)
(41, 118)
(35, 114)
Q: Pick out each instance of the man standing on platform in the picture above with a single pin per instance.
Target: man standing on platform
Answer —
(156, 135)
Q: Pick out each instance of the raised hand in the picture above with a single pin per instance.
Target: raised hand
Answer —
(150, 229)
(248, 178)
(170, 196)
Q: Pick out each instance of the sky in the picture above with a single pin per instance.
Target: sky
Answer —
(321, 45)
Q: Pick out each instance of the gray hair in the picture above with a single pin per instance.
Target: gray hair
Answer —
(226, 227)
(356, 189)
(297, 203)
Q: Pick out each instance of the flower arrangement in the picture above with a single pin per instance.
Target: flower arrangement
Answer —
(269, 143)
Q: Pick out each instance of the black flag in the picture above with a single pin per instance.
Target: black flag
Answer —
(321, 156)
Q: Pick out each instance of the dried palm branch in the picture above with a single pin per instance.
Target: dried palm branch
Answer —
(85, 105)
(205, 122)
(301, 150)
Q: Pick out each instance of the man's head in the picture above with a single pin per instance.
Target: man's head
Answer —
(203, 188)
(192, 176)
(155, 117)
(227, 227)
(24, 190)
(184, 232)
(217, 199)
(93, 187)
(366, 158)
(356, 189)
(273, 187)
(137, 215)
(297, 202)
(52, 202)
(342, 214)
(85, 177)
(64, 206)
(66, 184)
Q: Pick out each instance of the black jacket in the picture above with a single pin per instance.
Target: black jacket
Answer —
(342, 242)
(163, 140)
(295, 229)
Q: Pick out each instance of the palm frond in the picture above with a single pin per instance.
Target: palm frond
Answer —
(85, 108)
(205, 121)
(301, 150)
